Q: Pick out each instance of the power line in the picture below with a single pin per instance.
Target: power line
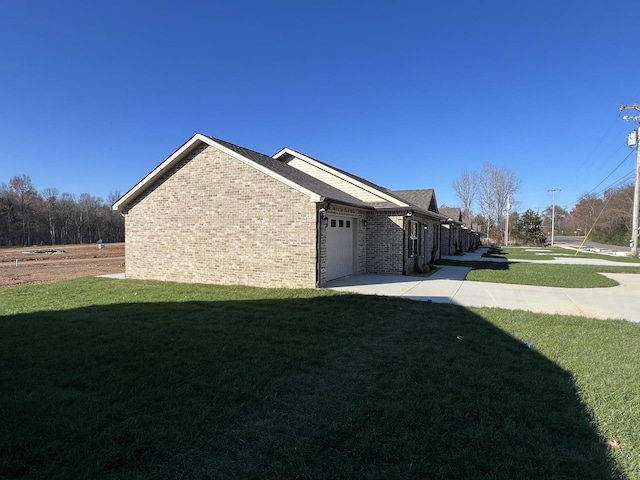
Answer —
(612, 171)
(601, 141)
(617, 183)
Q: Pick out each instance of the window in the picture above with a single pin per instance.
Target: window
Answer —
(333, 222)
(340, 223)
(413, 239)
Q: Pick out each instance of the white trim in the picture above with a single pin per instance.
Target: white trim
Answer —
(179, 154)
(342, 176)
(157, 172)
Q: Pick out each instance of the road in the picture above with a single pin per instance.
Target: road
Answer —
(577, 241)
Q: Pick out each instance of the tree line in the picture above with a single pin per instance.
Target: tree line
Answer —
(605, 217)
(48, 217)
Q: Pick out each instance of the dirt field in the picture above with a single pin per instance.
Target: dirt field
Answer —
(76, 261)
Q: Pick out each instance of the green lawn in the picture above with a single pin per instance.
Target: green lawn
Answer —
(124, 379)
(549, 253)
(542, 274)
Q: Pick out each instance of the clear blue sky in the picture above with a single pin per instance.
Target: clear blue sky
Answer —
(407, 94)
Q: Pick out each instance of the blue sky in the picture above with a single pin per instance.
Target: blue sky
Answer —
(407, 94)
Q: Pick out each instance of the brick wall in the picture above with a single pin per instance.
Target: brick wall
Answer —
(384, 242)
(213, 219)
(434, 241)
(445, 238)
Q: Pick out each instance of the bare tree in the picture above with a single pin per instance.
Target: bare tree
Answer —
(50, 197)
(496, 187)
(586, 211)
(26, 194)
(466, 187)
(561, 222)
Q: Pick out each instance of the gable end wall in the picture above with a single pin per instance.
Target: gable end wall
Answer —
(214, 219)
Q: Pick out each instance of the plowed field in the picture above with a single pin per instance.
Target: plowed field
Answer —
(61, 262)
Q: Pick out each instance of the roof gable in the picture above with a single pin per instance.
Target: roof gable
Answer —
(314, 189)
(358, 187)
(454, 213)
(425, 198)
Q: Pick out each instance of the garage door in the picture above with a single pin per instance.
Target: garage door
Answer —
(340, 233)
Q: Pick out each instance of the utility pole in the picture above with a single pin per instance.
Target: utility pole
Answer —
(553, 212)
(506, 223)
(636, 190)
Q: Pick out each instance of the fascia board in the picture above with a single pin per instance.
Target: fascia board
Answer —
(342, 176)
(427, 213)
(180, 153)
(156, 173)
(417, 210)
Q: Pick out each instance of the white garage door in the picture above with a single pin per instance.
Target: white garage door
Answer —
(340, 233)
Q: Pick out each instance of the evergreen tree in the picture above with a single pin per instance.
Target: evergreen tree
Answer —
(529, 229)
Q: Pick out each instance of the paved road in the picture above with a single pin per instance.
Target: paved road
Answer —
(577, 241)
(448, 285)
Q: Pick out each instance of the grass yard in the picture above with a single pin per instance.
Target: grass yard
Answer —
(549, 253)
(542, 274)
(124, 379)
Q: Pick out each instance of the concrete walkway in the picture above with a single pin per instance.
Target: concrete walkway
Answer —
(448, 285)
(118, 276)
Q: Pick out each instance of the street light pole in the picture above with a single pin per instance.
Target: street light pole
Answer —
(506, 226)
(553, 212)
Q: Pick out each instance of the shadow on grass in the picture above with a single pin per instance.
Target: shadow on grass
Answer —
(328, 387)
(475, 264)
(495, 252)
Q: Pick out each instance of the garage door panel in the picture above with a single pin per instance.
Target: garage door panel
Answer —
(340, 240)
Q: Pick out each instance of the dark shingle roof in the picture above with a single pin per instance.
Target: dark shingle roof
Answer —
(452, 212)
(423, 198)
(296, 176)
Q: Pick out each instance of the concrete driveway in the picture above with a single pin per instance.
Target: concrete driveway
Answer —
(448, 285)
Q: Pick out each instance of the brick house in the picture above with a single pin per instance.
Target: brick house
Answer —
(426, 199)
(452, 235)
(215, 212)
(457, 234)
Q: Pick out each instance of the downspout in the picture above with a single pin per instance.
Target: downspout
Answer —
(319, 217)
(404, 244)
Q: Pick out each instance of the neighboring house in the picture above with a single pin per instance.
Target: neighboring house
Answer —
(215, 212)
(457, 233)
(471, 234)
(426, 199)
(452, 236)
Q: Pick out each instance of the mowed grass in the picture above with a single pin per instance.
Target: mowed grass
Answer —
(541, 274)
(550, 253)
(549, 275)
(124, 379)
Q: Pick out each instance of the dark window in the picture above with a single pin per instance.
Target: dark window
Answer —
(413, 239)
(340, 223)
(333, 222)
(348, 223)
